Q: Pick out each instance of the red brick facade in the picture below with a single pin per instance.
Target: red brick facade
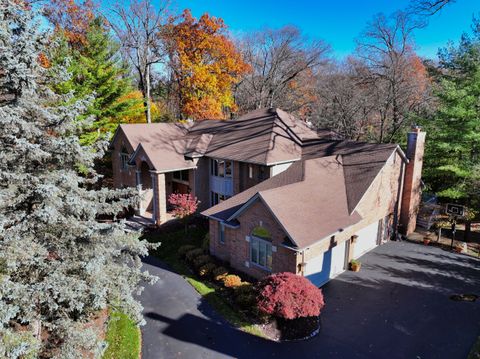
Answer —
(236, 249)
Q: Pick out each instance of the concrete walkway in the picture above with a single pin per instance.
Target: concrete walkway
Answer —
(397, 306)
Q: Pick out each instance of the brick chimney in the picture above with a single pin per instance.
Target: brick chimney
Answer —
(411, 195)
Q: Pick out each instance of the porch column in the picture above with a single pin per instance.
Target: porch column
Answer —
(159, 197)
(140, 211)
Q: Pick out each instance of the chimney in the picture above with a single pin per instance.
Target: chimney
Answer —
(411, 195)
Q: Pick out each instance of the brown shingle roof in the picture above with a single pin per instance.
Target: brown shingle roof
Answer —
(361, 163)
(316, 197)
(316, 207)
(163, 143)
(264, 136)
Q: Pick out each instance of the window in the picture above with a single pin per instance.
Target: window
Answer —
(181, 175)
(124, 157)
(228, 168)
(216, 198)
(221, 233)
(250, 171)
(262, 173)
(261, 252)
(221, 168)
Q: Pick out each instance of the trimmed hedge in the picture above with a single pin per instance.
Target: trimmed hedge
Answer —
(201, 260)
(219, 273)
(182, 251)
(192, 254)
(206, 269)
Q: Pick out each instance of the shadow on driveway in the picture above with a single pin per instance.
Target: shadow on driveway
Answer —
(397, 306)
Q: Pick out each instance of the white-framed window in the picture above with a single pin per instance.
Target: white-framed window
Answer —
(221, 168)
(221, 233)
(261, 252)
(181, 176)
(124, 157)
(216, 198)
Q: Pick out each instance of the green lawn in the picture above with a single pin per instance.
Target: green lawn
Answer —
(167, 252)
(123, 338)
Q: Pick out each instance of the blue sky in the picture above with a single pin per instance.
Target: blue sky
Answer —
(338, 22)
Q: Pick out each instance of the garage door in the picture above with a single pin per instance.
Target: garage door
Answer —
(323, 267)
(366, 241)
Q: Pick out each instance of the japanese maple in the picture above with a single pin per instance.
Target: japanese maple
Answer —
(289, 296)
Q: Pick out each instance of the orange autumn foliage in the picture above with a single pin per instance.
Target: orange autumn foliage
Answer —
(44, 61)
(72, 18)
(206, 65)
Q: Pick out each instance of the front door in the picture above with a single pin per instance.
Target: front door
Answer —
(179, 187)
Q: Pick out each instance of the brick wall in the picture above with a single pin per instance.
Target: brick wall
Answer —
(236, 250)
(413, 175)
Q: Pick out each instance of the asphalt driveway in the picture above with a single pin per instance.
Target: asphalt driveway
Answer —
(397, 306)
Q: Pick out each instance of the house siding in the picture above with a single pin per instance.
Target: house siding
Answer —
(122, 178)
(244, 181)
(378, 202)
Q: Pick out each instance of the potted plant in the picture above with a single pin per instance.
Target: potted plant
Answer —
(427, 238)
(355, 265)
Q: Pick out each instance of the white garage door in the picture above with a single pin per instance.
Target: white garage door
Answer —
(327, 265)
(366, 241)
(338, 259)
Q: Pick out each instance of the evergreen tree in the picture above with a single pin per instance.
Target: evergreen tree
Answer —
(58, 265)
(453, 149)
(96, 69)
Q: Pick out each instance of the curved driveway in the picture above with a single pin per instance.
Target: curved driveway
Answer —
(398, 306)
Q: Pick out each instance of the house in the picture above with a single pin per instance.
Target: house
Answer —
(279, 196)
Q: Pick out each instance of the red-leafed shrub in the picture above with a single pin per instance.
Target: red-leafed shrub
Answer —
(289, 296)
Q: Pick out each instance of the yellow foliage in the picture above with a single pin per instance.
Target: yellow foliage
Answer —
(206, 65)
(136, 112)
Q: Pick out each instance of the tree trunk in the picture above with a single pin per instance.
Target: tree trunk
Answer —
(468, 231)
(147, 95)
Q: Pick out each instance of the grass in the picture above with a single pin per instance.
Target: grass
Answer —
(475, 352)
(123, 338)
(167, 252)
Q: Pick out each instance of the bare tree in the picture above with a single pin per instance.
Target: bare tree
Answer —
(280, 60)
(428, 7)
(344, 102)
(139, 29)
(395, 72)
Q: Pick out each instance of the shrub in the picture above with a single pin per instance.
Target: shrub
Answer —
(206, 242)
(219, 273)
(207, 269)
(194, 253)
(289, 296)
(182, 251)
(232, 281)
(244, 288)
(201, 260)
(246, 301)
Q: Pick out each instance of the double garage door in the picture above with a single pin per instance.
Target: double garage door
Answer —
(333, 262)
